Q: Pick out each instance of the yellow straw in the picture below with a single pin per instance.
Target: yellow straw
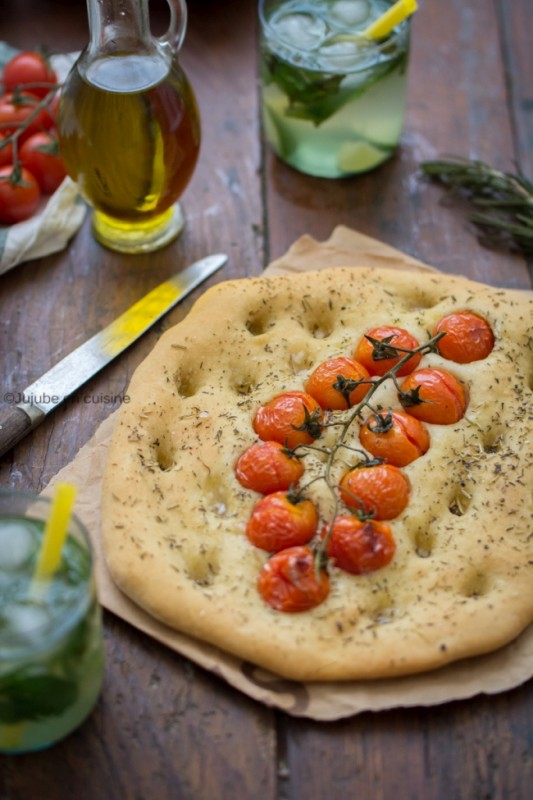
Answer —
(392, 17)
(55, 533)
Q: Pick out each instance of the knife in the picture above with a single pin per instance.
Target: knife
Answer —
(52, 388)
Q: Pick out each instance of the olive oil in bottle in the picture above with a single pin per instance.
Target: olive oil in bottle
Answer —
(129, 134)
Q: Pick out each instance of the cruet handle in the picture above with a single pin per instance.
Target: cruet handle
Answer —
(178, 24)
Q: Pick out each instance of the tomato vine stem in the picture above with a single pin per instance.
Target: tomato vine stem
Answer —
(345, 423)
(19, 96)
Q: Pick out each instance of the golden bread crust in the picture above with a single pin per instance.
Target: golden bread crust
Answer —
(174, 513)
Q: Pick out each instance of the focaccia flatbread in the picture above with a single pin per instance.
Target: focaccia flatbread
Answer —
(174, 515)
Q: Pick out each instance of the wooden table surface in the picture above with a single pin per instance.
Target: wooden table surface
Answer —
(163, 727)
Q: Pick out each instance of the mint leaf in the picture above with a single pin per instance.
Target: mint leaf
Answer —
(309, 93)
(26, 696)
(34, 692)
(316, 96)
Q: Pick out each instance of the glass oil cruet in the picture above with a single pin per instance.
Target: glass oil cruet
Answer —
(129, 127)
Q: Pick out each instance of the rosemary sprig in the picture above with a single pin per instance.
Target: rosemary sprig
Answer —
(503, 201)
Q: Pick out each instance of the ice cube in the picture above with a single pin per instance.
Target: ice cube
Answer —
(5, 582)
(26, 621)
(341, 55)
(350, 13)
(17, 544)
(302, 31)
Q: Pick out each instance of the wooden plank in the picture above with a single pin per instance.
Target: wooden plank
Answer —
(457, 104)
(464, 750)
(516, 22)
(53, 305)
(162, 728)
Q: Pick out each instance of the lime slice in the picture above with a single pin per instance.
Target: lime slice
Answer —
(278, 129)
(360, 156)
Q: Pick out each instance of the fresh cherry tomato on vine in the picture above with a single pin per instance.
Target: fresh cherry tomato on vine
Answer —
(468, 338)
(290, 581)
(53, 107)
(6, 151)
(359, 547)
(278, 521)
(19, 195)
(332, 383)
(396, 437)
(267, 467)
(434, 395)
(40, 154)
(29, 68)
(16, 109)
(376, 361)
(380, 490)
(291, 418)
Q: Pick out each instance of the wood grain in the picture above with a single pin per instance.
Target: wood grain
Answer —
(457, 94)
(163, 728)
(516, 24)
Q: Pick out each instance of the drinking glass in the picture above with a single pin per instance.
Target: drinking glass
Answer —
(51, 645)
(333, 101)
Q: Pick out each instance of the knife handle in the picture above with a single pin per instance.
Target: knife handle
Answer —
(15, 423)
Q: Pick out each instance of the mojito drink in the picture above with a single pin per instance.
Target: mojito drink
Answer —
(333, 101)
(51, 652)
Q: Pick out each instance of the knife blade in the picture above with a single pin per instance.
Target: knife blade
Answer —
(69, 374)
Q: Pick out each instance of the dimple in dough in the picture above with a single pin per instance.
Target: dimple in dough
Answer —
(174, 514)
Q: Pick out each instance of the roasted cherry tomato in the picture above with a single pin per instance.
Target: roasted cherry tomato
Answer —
(19, 195)
(17, 108)
(359, 547)
(40, 154)
(291, 418)
(335, 383)
(31, 70)
(381, 490)
(290, 581)
(268, 467)
(434, 395)
(396, 437)
(380, 358)
(278, 521)
(468, 338)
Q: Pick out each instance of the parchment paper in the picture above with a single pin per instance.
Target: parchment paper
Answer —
(496, 672)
